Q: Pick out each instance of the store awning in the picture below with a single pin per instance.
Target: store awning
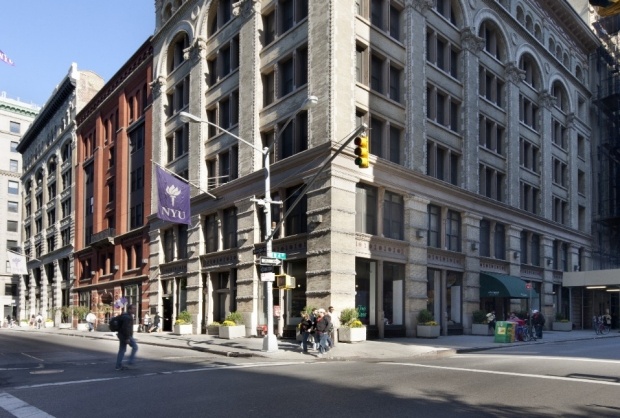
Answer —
(496, 285)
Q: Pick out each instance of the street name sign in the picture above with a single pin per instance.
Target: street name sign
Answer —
(268, 261)
(279, 256)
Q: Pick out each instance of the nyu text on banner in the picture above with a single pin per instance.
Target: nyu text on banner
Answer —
(173, 198)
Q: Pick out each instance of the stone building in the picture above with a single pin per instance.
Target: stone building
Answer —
(477, 195)
(15, 118)
(47, 150)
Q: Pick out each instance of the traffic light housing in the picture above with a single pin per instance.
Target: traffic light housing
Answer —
(284, 281)
(361, 151)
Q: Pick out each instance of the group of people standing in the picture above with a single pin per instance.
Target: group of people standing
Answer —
(537, 321)
(319, 328)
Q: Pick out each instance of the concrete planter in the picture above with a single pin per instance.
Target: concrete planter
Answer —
(229, 333)
(351, 335)
(562, 326)
(480, 329)
(82, 327)
(49, 324)
(103, 328)
(213, 330)
(64, 325)
(182, 329)
(428, 331)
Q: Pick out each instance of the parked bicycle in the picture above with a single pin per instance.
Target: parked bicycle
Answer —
(601, 325)
(525, 333)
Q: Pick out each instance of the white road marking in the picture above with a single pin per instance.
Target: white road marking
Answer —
(534, 376)
(127, 376)
(584, 359)
(19, 408)
(36, 358)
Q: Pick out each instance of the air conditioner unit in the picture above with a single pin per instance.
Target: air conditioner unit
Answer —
(284, 281)
(145, 260)
(116, 267)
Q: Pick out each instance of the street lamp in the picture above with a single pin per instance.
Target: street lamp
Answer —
(270, 341)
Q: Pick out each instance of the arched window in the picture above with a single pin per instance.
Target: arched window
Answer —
(532, 72)
(176, 51)
(559, 92)
(493, 41)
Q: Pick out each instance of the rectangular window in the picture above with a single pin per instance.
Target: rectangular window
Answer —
(366, 209)
(11, 226)
(229, 228)
(286, 77)
(14, 166)
(434, 226)
(13, 187)
(13, 146)
(453, 231)
(15, 127)
(500, 242)
(485, 238)
(13, 206)
(393, 216)
(296, 223)
(210, 234)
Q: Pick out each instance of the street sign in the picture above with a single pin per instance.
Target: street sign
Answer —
(267, 277)
(268, 261)
(528, 285)
(266, 269)
(279, 256)
(262, 250)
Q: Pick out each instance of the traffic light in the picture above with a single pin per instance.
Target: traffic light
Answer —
(284, 281)
(361, 150)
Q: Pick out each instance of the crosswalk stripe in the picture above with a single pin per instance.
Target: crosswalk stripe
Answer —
(19, 408)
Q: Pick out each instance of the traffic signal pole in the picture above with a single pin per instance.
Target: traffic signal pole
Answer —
(360, 130)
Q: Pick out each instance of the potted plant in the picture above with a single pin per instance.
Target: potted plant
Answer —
(80, 313)
(183, 323)
(480, 325)
(65, 317)
(561, 323)
(351, 328)
(232, 327)
(427, 327)
(213, 328)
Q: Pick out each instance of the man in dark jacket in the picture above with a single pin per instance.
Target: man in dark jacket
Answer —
(125, 337)
(322, 327)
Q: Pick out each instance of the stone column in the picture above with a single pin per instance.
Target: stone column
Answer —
(514, 76)
(57, 293)
(472, 45)
(546, 101)
(44, 291)
(31, 294)
(416, 230)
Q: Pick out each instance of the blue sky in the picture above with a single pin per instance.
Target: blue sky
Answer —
(43, 38)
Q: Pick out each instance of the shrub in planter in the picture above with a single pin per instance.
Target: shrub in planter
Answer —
(235, 317)
(425, 317)
(479, 317)
(351, 328)
(183, 318)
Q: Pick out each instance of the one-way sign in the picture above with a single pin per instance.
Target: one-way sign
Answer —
(268, 261)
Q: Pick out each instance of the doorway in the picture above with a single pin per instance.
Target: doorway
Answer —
(168, 311)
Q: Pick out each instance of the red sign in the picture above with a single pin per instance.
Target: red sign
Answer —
(528, 285)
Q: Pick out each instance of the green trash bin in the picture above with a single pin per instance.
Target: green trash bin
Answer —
(504, 332)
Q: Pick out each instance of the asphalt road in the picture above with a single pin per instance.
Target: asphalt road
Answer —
(75, 377)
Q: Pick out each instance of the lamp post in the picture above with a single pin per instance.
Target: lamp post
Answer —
(270, 341)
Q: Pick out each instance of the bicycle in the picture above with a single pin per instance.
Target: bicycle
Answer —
(525, 333)
(600, 325)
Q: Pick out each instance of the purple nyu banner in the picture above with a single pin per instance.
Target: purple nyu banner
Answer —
(173, 198)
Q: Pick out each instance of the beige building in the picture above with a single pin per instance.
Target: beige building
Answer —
(15, 118)
(47, 148)
(480, 139)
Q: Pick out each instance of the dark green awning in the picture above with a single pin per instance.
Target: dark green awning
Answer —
(496, 285)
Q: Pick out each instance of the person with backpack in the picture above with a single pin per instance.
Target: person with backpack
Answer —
(39, 320)
(125, 337)
(322, 327)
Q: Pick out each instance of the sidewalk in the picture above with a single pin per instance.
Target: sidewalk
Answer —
(289, 349)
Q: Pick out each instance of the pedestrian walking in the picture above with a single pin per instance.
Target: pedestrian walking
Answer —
(538, 320)
(322, 331)
(91, 318)
(491, 320)
(156, 322)
(125, 338)
(304, 328)
(334, 317)
(39, 320)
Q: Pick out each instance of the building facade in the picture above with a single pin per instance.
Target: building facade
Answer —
(48, 152)
(112, 191)
(480, 139)
(15, 118)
